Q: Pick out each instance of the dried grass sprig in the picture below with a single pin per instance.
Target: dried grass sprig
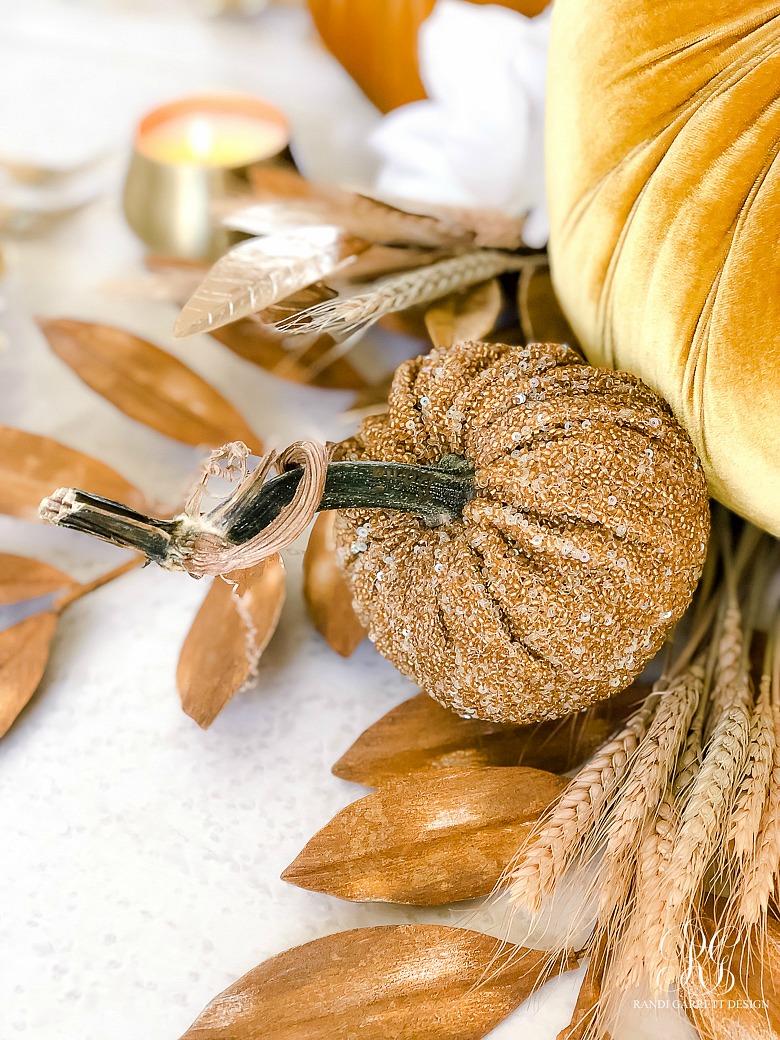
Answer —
(352, 313)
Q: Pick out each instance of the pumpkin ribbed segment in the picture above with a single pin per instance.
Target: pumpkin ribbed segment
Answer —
(579, 551)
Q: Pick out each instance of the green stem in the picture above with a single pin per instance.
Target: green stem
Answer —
(437, 494)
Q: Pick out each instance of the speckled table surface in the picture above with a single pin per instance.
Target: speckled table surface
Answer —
(141, 856)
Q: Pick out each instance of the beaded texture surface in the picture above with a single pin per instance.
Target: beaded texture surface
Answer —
(580, 549)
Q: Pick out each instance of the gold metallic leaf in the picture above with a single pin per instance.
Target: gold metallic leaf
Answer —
(541, 316)
(435, 837)
(24, 651)
(288, 357)
(328, 596)
(147, 383)
(262, 271)
(31, 467)
(420, 734)
(227, 637)
(470, 314)
(399, 982)
(23, 578)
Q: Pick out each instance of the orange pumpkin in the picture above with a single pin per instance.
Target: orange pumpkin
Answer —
(376, 42)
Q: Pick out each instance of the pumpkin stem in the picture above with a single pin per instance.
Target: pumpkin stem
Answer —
(437, 494)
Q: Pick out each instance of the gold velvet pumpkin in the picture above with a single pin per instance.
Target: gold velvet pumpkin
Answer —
(376, 42)
(663, 135)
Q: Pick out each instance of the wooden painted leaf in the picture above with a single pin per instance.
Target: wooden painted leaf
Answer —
(289, 357)
(147, 383)
(24, 651)
(468, 315)
(23, 578)
(32, 467)
(435, 837)
(260, 272)
(420, 734)
(227, 638)
(398, 982)
(580, 1026)
(541, 316)
(328, 597)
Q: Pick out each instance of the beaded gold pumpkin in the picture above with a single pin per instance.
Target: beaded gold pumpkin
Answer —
(578, 551)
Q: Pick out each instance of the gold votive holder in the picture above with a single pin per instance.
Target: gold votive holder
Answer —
(188, 154)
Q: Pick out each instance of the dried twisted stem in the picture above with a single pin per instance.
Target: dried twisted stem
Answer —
(207, 551)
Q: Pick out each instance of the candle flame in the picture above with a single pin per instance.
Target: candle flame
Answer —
(200, 137)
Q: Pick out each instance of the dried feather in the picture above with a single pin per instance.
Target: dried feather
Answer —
(389, 221)
(491, 228)
(358, 215)
(261, 272)
(349, 314)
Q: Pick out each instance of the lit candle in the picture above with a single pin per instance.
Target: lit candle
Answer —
(211, 132)
(188, 154)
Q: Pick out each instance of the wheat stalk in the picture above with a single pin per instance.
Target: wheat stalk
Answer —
(729, 686)
(700, 834)
(575, 818)
(763, 870)
(347, 314)
(650, 775)
(749, 805)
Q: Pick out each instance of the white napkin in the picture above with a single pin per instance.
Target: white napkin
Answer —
(478, 139)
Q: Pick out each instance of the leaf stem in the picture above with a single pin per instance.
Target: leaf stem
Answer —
(73, 594)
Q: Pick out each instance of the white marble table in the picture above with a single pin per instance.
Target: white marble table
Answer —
(140, 856)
